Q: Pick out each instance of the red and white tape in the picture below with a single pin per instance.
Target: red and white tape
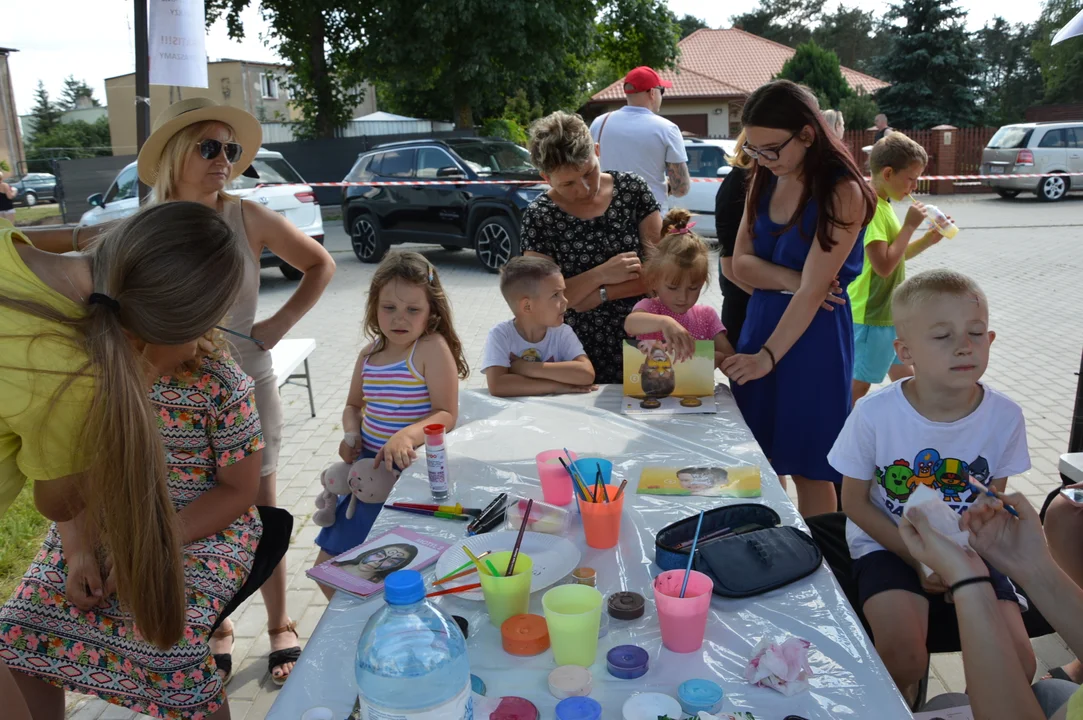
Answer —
(414, 183)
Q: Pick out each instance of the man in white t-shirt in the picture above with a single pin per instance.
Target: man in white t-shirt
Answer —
(536, 353)
(638, 140)
(943, 429)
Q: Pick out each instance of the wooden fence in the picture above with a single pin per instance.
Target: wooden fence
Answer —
(968, 142)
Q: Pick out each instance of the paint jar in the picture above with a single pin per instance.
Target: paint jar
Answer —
(627, 662)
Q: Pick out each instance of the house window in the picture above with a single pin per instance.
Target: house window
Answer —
(268, 84)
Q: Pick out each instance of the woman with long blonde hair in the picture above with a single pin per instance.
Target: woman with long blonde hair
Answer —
(84, 340)
(196, 150)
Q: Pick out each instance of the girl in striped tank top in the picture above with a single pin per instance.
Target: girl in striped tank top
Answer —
(406, 378)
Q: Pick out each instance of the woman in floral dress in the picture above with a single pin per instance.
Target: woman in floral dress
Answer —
(596, 226)
(211, 432)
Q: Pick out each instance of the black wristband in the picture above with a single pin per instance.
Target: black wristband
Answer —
(770, 355)
(970, 581)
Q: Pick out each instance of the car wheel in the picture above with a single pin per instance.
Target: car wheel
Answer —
(1053, 188)
(1007, 194)
(30, 199)
(290, 272)
(496, 241)
(366, 240)
(452, 248)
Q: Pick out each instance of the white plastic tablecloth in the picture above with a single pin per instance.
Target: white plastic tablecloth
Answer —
(493, 450)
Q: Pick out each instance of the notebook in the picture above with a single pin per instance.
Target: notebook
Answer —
(362, 570)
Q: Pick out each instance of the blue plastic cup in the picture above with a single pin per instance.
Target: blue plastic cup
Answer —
(588, 470)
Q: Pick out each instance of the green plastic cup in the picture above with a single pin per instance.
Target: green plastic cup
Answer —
(506, 596)
(574, 616)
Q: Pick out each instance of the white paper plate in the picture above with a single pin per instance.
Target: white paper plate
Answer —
(553, 556)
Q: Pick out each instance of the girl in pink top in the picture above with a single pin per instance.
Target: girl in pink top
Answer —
(676, 271)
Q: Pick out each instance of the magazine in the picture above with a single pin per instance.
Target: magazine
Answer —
(655, 383)
(741, 481)
(361, 571)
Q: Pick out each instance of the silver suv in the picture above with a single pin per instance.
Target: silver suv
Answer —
(1049, 149)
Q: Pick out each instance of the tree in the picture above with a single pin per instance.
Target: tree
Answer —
(689, 24)
(852, 34)
(638, 32)
(1061, 65)
(932, 67)
(45, 112)
(785, 21)
(464, 58)
(1009, 78)
(859, 110)
(78, 139)
(73, 90)
(819, 70)
(320, 40)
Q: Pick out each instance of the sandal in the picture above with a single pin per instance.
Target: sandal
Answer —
(283, 656)
(224, 661)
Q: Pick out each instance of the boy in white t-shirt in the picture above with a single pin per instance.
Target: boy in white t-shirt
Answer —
(940, 428)
(536, 353)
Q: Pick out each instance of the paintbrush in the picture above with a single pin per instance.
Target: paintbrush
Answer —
(458, 572)
(240, 335)
(519, 540)
(449, 591)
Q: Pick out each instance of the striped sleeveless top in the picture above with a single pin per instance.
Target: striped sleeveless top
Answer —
(396, 397)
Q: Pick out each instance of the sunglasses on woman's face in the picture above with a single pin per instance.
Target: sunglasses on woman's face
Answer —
(770, 154)
(209, 149)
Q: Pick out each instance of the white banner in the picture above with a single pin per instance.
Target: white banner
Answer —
(1072, 29)
(177, 41)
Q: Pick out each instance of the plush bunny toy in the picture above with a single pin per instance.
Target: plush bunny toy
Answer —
(362, 481)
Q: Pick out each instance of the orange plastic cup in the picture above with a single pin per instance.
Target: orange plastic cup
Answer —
(601, 520)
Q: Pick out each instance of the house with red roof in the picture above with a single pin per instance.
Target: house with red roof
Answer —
(716, 71)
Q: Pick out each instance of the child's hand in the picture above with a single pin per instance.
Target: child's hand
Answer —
(915, 215)
(678, 340)
(350, 447)
(934, 235)
(834, 296)
(397, 452)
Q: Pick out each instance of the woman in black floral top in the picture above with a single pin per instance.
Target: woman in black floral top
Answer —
(595, 226)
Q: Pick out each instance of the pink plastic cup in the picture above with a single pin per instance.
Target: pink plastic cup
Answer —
(556, 483)
(683, 620)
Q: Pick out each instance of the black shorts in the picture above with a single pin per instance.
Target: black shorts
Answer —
(883, 570)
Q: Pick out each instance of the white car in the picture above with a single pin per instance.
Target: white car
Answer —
(706, 159)
(279, 187)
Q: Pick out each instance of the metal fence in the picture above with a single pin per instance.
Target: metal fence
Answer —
(969, 143)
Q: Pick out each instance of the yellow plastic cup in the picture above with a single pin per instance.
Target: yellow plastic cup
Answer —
(574, 616)
(506, 596)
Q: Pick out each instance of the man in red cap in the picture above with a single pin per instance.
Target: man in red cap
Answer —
(638, 140)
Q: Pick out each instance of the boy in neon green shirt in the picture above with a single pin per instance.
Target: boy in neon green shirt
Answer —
(896, 162)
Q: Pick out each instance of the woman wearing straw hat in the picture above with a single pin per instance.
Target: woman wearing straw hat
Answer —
(197, 148)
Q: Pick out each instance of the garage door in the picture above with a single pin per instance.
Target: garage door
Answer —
(694, 124)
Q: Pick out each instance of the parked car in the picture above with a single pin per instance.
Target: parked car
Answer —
(279, 187)
(465, 214)
(33, 188)
(1049, 149)
(706, 159)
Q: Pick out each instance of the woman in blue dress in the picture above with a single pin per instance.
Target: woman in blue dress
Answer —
(798, 244)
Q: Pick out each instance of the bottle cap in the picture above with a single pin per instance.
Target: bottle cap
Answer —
(477, 685)
(525, 635)
(585, 576)
(697, 695)
(578, 708)
(514, 708)
(434, 429)
(404, 587)
(626, 605)
(463, 624)
(570, 681)
(627, 662)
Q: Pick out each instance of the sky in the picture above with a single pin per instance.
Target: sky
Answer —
(50, 51)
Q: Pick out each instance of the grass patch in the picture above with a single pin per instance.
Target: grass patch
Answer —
(21, 531)
(24, 215)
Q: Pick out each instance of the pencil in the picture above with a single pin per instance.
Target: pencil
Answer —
(449, 591)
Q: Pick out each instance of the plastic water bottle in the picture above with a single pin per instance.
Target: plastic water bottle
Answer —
(411, 658)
